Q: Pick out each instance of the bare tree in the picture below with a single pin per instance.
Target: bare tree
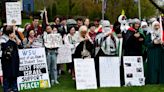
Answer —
(157, 6)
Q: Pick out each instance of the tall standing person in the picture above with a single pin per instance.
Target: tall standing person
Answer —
(10, 61)
(154, 52)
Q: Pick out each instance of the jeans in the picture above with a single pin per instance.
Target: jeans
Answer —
(52, 64)
(10, 84)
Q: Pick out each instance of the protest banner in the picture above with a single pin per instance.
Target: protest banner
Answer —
(109, 71)
(33, 69)
(133, 71)
(13, 13)
(53, 41)
(85, 74)
(64, 55)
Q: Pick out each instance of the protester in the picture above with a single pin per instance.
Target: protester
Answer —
(97, 25)
(106, 45)
(36, 27)
(72, 42)
(145, 28)
(133, 40)
(51, 57)
(87, 22)
(92, 33)
(155, 72)
(29, 40)
(26, 29)
(10, 61)
(79, 23)
(64, 26)
(85, 47)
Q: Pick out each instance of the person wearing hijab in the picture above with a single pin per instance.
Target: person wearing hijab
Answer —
(105, 45)
(133, 40)
(155, 70)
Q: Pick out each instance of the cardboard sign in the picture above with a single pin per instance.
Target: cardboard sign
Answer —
(64, 55)
(13, 13)
(53, 41)
(133, 71)
(85, 74)
(109, 71)
(33, 69)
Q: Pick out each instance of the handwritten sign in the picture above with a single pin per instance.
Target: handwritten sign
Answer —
(53, 40)
(38, 42)
(33, 69)
(133, 71)
(13, 13)
(85, 74)
(64, 55)
(109, 71)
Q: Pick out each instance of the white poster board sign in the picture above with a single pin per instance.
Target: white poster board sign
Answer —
(13, 13)
(64, 55)
(33, 69)
(109, 71)
(133, 71)
(1, 74)
(120, 46)
(53, 40)
(85, 74)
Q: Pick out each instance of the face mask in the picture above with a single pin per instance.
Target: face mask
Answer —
(145, 29)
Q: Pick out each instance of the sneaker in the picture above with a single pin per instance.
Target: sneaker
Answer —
(69, 71)
(52, 82)
(73, 78)
(56, 82)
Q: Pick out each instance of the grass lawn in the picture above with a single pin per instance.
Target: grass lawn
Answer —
(68, 85)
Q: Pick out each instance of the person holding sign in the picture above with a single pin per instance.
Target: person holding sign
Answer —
(10, 61)
(154, 72)
(85, 47)
(71, 41)
(27, 43)
(51, 52)
(106, 45)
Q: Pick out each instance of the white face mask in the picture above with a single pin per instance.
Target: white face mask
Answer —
(145, 29)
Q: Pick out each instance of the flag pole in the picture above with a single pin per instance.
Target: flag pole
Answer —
(139, 9)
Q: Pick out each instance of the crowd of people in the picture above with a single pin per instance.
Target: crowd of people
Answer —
(87, 40)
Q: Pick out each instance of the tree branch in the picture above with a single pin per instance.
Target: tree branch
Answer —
(157, 6)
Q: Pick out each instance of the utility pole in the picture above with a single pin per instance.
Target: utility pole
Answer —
(139, 9)
(103, 11)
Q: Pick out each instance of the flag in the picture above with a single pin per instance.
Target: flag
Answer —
(161, 28)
